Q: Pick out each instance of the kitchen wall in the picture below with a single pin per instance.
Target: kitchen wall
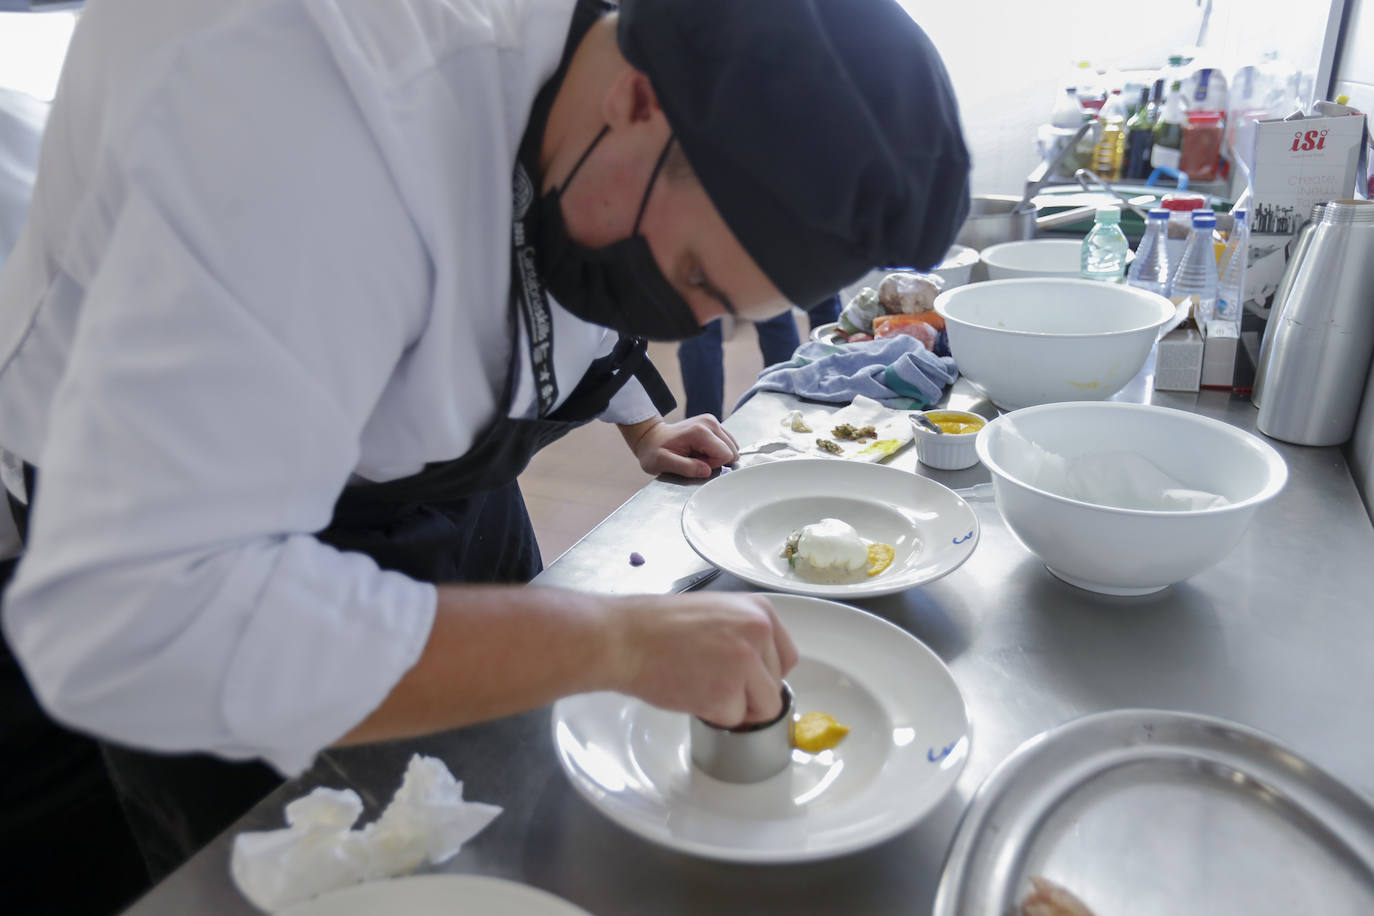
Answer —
(32, 47)
(1355, 73)
(1009, 59)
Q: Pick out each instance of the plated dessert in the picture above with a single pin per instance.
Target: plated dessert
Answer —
(832, 552)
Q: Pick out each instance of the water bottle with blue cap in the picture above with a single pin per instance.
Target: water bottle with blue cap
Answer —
(1231, 269)
(1152, 266)
(1197, 271)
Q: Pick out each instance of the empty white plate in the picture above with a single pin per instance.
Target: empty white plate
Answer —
(908, 741)
(741, 520)
(437, 895)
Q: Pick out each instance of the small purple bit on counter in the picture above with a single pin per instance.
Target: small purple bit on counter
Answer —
(636, 559)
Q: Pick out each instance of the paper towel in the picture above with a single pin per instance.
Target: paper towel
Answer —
(426, 821)
(790, 441)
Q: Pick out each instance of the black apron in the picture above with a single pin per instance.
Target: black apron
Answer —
(461, 520)
(51, 779)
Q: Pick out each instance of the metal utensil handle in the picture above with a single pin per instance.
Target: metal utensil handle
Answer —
(1084, 177)
(1067, 217)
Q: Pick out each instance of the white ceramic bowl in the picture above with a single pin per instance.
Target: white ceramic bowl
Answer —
(1130, 551)
(1024, 342)
(1036, 258)
(957, 267)
(947, 451)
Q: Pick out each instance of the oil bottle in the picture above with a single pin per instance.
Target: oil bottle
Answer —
(1111, 143)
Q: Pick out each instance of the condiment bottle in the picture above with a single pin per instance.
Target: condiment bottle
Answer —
(1201, 145)
(1139, 140)
(1111, 143)
(1168, 133)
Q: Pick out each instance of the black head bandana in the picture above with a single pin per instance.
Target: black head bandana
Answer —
(825, 132)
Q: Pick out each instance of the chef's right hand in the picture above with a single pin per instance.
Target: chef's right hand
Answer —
(718, 656)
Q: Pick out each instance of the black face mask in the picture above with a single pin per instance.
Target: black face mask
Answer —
(618, 286)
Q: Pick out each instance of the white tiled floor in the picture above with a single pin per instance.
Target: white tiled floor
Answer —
(579, 480)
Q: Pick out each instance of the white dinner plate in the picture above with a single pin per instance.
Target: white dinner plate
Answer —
(437, 895)
(908, 741)
(740, 522)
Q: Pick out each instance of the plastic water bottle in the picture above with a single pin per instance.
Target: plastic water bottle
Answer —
(1105, 248)
(1151, 268)
(1231, 272)
(1197, 271)
(1181, 207)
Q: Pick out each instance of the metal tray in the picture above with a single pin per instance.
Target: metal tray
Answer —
(827, 333)
(1149, 811)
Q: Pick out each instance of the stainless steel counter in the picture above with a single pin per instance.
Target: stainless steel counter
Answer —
(1279, 636)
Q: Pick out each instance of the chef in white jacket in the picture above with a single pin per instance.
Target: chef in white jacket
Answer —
(306, 282)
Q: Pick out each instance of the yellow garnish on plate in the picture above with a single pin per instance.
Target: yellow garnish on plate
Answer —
(882, 447)
(816, 732)
(879, 557)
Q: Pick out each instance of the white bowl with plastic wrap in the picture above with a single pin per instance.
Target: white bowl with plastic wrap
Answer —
(1126, 551)
(1061, 258)
(1039, 341)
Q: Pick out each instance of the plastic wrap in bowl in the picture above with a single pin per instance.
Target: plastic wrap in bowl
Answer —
(1039, 341)
(1127, 551)
(1062, 258)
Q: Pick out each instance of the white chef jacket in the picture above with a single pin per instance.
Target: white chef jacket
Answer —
(268, 253)
(21, 125)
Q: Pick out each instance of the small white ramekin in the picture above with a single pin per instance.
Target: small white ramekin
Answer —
(947, 451)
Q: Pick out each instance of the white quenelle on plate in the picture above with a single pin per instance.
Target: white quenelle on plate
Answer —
(908, 742)
(437, 895)
(740, 522)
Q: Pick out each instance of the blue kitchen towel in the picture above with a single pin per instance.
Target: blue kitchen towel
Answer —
(897, 372)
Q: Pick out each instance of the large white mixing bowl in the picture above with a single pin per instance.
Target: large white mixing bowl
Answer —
(1038, 341)
(1129, 551)
(957, 267)
(1061, 258)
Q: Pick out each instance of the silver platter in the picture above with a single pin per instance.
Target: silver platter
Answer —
(827, 333)
(1148, 811)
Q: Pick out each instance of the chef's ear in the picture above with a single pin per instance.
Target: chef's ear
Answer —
(630, 99)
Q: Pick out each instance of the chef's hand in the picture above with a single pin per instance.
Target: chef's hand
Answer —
(718, 656)
(694, 447)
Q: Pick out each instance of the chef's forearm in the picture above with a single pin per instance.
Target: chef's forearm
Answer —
(635, 432)
(496, 651)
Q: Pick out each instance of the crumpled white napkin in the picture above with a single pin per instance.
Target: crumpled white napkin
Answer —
(1120, 479)
(426, 821)
(892, 427)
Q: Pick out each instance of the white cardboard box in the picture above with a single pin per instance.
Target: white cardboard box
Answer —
(1178, 360)
(1298, 163)
(1219, 355)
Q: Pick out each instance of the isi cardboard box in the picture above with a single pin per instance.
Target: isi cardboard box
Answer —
(1299, 161)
